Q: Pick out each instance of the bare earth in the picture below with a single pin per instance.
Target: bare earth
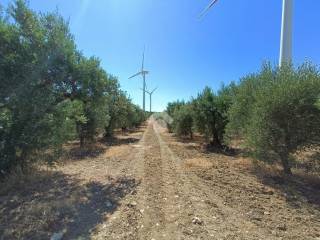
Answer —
(149, 185)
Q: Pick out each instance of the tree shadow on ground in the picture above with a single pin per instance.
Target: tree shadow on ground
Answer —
(128, 131)
(301, 190)
(117, 141)
(224, 150)
(46, 203)
(75, 152)
(198, 143)
(137, 130)
(126, 137)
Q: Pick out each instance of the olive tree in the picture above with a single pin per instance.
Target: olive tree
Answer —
(277, 111)
(171, 109)
(50, 92)
(37, 52)
(210, 115)
(183, 121)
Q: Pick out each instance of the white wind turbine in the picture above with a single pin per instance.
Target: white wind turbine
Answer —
(286, 30)
(143, 73)
(150, 95)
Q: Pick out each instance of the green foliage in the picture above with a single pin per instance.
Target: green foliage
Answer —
(318, 103)
(244, 98)
(33, 64)
(183, 121)
(138, 116)
(172, 107)
(210, 114)
(90, 88)
(276, 111)
(207, 113)
(123, 114)
(49, 92)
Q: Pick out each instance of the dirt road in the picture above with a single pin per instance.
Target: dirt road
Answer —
(150, 185)
(175, 201)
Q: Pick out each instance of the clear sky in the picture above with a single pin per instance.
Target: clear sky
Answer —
(184, 54)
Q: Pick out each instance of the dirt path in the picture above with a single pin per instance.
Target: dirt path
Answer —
(155, 205)
(151, 186)
(176, 202)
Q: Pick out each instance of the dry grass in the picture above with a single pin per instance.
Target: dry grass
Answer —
(198, 163)
(18, 178)
(115, 151)
(309, 159)
(243, 163)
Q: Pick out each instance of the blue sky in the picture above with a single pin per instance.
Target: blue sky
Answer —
(184, 54)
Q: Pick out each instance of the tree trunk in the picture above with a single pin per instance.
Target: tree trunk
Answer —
(285, 163)
(108, 132)
(216, 141)
(80, 134)
(81, 141)
(109, 129)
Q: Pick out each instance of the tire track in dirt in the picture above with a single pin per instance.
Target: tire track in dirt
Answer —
(173, 207)
(160, 208)
(151, 194)
(141, 215)
(168, 210)
(183, 204)
(219, 221)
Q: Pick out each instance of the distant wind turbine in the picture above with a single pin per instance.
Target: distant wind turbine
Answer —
(143, 73)
(150, 94)
(286, 30)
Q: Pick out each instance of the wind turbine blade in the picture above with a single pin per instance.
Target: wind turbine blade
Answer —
(154, 90)
(137, 74)
(145, 90)
(205, 11)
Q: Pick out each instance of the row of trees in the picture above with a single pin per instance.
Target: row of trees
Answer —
(50, 92)
(206, 114)
(276, 111)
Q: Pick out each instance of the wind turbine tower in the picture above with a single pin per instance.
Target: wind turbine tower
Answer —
(286, 30)
(286, 33)
(150, 95)
(143, 73)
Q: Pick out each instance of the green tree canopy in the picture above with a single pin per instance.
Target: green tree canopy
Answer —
(49, 91)
(276, 111)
